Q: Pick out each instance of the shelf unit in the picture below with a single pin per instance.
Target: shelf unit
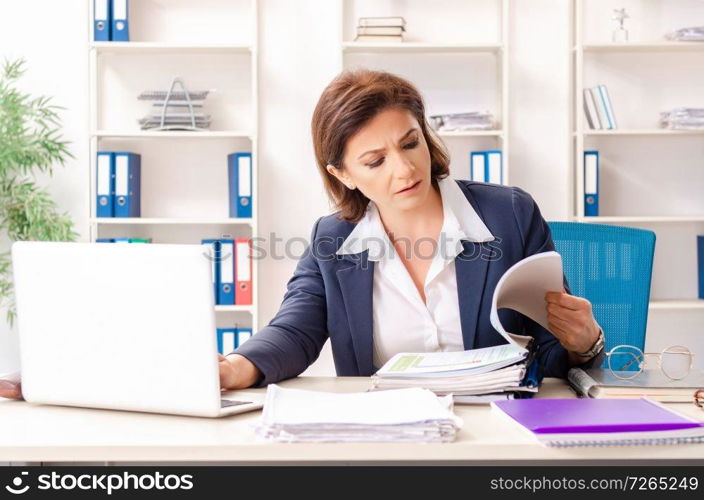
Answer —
(631, 156)
(191, 201)
(450, 48)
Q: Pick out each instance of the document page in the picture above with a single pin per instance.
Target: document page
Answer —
(523, 287)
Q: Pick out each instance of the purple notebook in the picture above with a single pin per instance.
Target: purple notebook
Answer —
(586, 416)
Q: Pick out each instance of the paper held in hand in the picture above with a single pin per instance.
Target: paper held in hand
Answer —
(491, 373)
(522, 288)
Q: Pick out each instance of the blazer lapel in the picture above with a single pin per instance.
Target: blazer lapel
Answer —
(471, 270)
(356, 278)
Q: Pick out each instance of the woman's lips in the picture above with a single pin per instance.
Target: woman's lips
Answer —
(410, 189)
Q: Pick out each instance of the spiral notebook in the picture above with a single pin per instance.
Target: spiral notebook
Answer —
(600, 422)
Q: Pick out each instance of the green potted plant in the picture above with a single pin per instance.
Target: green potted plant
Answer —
(30, 143)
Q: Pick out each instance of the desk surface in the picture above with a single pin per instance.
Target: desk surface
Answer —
(35, 433)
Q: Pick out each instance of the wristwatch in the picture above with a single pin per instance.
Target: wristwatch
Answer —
(594, 349)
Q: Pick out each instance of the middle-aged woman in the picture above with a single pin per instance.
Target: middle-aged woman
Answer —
(410, 261)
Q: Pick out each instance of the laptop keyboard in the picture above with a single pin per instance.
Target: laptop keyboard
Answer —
(225, 403)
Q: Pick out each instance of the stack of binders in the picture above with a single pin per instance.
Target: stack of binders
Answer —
(380, 29)
(230, 339)
(110, 21)
(239, 174)
(598, 109)
(231, 270)
(486, 166)
(118, 184)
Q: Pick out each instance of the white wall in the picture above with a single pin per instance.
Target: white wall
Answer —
(299, 54)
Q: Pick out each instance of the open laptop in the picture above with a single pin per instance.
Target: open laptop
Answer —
(126, 327)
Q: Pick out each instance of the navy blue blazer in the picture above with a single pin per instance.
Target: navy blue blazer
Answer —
(330, 295)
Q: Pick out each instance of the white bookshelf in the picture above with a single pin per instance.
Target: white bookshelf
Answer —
(185, 197)
(456, 52)
(649, 177)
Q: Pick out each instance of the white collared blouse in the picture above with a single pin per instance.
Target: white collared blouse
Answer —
(402, 322)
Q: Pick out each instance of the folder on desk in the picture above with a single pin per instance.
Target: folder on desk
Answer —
(140, 240)
(120, 240)
(240, 182)
(243, 335)
(101, 20)
(105, 184)
(120, 21)
(494, 168)
(591, 183)
(226, 284)
(212, 252)
(128, 180)
(600, 422)
(477, 161)
(227, 340)
(243, 272)
(104, 240)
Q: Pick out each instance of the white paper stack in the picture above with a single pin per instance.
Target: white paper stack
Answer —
(475, 120)
(683, 119)
(404, 415)
(693, 34)
(468, 373)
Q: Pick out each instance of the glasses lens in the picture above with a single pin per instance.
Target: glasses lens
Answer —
(675, 362)
(625, 361)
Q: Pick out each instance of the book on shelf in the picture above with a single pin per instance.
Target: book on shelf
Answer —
(379, 38)
(603, 384)
(395, 21)
(590, 110)
(491, 372)
(600, 422)
(380, 30)
(598, 108)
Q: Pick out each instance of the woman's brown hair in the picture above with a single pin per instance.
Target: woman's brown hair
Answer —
(351, 100)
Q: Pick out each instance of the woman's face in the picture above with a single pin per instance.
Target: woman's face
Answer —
(388, 161)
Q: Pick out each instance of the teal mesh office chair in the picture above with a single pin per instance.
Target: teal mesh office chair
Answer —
(610, 266)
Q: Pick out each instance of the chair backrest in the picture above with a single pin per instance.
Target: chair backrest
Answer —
(611, 266)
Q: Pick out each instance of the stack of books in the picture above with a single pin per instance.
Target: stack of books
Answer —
(693, 34)
(598, 109)
(380, 29)
(473, 120)
(406, 415)
(683, 119)
(505, 371)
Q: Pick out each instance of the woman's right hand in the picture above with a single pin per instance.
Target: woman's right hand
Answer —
(11, 388)
(237, 372)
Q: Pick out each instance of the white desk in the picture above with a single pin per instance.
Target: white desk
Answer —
(34, 433)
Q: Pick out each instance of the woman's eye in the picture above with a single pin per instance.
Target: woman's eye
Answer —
(376, 163)
(411, 145)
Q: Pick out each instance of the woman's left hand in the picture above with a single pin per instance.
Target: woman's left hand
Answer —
(571, 320)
